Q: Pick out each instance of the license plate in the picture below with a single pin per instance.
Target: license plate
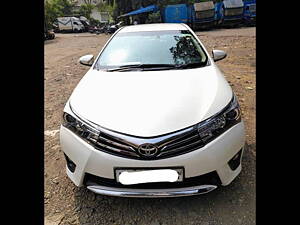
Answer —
(141, 176)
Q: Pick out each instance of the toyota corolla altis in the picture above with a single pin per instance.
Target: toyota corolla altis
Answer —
(153, 117)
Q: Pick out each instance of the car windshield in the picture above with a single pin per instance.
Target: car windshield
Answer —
(172, 48)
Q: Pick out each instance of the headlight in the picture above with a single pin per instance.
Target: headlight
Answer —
(85, 131)
(213, 127)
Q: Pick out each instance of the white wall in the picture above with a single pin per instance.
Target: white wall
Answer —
(101, 16)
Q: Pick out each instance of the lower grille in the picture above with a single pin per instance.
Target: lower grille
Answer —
(209, 178)
(252, 8)
(205, 14)
(234, 11)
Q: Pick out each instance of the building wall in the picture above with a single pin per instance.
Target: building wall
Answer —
(93, 2)
(103, 17)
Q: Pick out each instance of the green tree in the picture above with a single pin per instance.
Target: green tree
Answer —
(65, 7)
(86, 10)
(57, 8)
(50, 13)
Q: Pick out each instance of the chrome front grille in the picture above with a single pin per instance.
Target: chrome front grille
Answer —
(112, 144)
(168, 145)
(185, 142)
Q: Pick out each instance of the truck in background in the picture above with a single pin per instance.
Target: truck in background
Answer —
(85, 22)
(197, 15)
(249, 15)
(70, 24)
(229, 12)
(179, 13)
(203, 14)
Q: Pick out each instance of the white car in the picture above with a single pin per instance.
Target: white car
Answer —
(153, 117)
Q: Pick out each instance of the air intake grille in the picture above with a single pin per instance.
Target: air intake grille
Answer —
(209, 178)
(252, 8)
(205, 14)
(233, 11)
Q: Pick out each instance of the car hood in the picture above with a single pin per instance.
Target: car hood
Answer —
(150, 103)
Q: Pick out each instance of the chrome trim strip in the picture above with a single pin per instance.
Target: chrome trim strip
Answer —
(116, 143)
(151, 193)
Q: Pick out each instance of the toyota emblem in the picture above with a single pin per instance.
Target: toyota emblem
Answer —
(147, 150)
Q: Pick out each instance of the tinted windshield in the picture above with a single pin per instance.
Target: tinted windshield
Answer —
(154, 47)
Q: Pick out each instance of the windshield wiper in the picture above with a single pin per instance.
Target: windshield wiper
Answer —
(142, 66)
(158, 66)
(191, 65)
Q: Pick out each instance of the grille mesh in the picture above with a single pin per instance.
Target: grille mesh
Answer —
(233, 11)
(205, 14)
(209, 178)
(252, 8)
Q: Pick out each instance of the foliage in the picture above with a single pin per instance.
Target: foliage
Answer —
(57, 8)
(107, 7)
(85, 10)
(50, 13)
(103, 7)
(94, 22)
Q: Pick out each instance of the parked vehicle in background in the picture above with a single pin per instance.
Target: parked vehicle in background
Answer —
(70, 24)
(249, 15)
(48, 33)
(109, 29)
(95, 29)
(112, 28)
(196, 15)
(179, 13)
(203, 14)
(85, 22)
(229, 12)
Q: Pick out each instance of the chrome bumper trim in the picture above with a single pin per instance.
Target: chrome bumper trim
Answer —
(151, 193)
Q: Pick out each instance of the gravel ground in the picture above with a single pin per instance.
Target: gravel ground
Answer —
(67, 204)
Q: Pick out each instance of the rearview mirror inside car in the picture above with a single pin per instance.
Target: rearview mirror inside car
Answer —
(87, 60)
(218, 55)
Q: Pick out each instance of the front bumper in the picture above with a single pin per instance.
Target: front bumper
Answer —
(212, 157)
(250, 19)
(152, 193)
(232, 20)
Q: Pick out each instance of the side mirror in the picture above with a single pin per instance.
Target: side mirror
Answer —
(218, 55)
(87, 60)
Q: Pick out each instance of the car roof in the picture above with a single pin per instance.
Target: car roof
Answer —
(153, 27)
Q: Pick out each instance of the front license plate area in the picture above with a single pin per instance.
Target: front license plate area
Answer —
(143, 176)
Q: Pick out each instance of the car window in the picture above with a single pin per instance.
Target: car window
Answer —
(154, 47)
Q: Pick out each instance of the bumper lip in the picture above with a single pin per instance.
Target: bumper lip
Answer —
(152, 193)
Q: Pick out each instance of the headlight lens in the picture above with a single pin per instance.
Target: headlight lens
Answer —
(213, 127)
(85, 131)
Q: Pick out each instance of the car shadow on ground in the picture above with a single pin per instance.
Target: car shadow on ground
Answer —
(233, 204)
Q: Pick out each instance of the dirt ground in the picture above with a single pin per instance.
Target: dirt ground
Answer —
(67, 204)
